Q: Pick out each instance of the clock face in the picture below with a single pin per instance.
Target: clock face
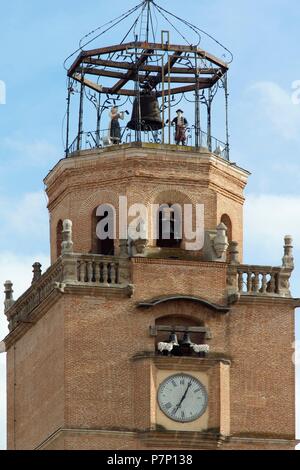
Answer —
(182, 398)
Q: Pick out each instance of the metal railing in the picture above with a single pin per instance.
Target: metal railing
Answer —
(101, 139)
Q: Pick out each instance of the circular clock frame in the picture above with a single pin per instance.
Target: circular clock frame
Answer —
(191, 417)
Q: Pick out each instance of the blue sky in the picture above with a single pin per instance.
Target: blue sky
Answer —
(36, 37)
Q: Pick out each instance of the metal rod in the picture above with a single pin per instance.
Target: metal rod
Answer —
(169, 100)
(99, 114)
(163, 99)
(227, 116)
(138, 131)
(197, 105)
(209, 104)
(68, 117)
(80, 123)
(148, 22)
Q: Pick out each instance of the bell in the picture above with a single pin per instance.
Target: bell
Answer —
(186, 341)
(150, 114)
(173, 339)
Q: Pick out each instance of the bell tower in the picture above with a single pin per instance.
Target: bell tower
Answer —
(148, 331)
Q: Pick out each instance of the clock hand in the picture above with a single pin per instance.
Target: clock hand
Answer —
(185, 394)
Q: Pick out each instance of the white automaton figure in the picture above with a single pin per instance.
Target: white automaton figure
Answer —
(114, 132)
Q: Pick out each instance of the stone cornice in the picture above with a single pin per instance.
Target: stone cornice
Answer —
(119, 179)
(252, 299)
(184, 363)
(202, 168)
(182, 440)
(171, 439)
(133, 150)
(181, 262)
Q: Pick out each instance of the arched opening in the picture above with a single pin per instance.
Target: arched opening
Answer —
(59, 238)
(103, 230)
(169, 226)
(225, 219)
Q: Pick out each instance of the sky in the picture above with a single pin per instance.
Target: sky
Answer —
(264, 112)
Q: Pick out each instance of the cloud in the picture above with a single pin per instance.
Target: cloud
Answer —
(26, 215)
(35, 153)
(268, 218)
(279, 109)
(24, 221)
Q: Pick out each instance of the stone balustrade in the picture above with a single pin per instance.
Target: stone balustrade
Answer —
(70, 270)
(19, 310)
(259, 280)
(244, 279)
(102, 270)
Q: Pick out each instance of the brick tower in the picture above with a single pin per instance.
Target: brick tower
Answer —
(145, 343)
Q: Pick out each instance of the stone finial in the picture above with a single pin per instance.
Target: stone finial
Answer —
(288, 259)
(9, 301)
(37, 272)
(67, 243)
(221, 240)
(233, 253)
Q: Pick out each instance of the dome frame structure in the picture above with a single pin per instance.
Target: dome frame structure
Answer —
(168, 71)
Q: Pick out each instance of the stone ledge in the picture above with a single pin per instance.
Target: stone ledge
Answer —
(182, 362)
(179, 262)
(182, 440)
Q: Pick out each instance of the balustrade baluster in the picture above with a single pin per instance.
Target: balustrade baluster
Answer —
(249, 282)
(105, 273)
(264, 283)
(90, 273)
(241, 281)
(255, 283)
(97, 272)
(112, 273)
(82, 271)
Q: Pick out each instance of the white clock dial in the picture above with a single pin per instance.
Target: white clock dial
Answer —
(182, 398)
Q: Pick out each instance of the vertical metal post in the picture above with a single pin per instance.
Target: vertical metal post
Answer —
(80, 123)
(197, 106)
(68, 117)
(227, 116)
(98, 121)
(138, 131)
(163, 99)
(169, 100)
(209, 103)
(148, 21)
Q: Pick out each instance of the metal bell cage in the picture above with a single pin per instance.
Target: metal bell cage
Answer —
(152, 79)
